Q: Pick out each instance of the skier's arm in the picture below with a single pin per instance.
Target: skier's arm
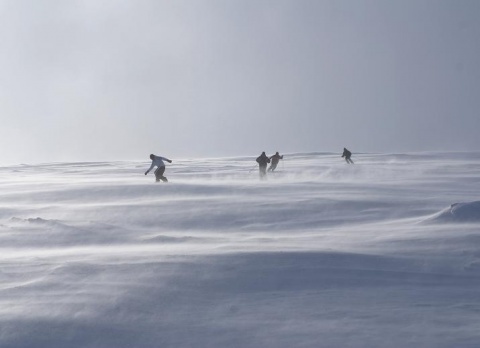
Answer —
(149, 169)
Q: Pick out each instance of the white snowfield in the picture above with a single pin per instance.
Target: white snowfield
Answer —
(382, 253)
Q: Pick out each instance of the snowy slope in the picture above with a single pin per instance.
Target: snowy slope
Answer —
(383, 253)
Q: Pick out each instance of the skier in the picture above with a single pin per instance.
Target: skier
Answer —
(262, 161)
(347, 154)
(158, 161)
(275, 159)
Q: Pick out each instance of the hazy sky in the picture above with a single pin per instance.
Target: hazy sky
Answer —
(120, 79)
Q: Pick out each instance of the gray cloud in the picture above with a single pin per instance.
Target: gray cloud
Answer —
(90, 80)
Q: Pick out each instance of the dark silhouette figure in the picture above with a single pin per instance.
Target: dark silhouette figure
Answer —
(347, 154)
(158, 161)
(275, 159)
(262, 161)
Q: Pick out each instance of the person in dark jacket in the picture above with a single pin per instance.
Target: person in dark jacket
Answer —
(347, 154)
(275, 159)
(262, 161)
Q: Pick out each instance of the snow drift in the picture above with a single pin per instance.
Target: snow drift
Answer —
(460, 212)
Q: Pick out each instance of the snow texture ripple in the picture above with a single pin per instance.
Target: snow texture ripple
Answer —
(382, 253)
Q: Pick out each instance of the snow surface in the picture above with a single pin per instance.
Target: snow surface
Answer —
(383, 253)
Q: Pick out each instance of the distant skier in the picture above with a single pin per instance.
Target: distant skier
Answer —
(347, 154)
(262, 161)
(275, 159)
(158, 162)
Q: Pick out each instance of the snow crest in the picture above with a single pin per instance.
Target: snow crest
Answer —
(460, 212)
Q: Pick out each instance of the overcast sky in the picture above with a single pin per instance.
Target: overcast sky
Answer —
(120, 79)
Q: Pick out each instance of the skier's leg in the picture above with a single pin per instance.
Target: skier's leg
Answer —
(162, 177)
(159, 174)
(263, 171)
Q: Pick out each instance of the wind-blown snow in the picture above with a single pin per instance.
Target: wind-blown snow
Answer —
(383, 253)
